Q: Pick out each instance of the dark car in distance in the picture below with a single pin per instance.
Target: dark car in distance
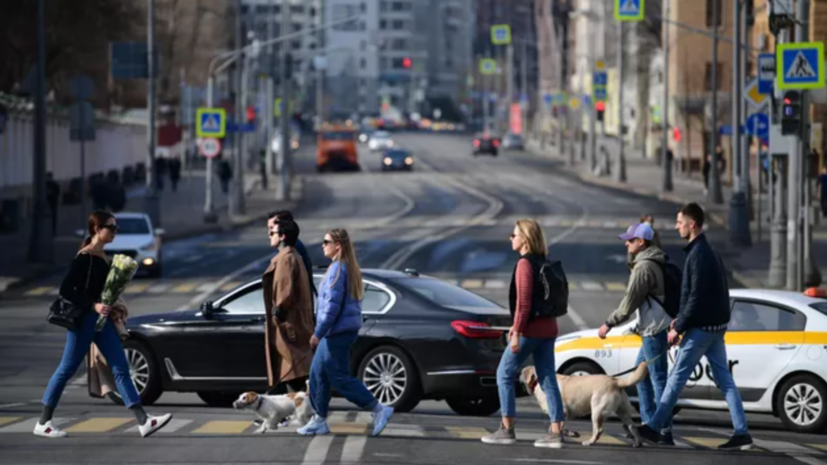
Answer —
(486, 144)
(397, 160)
(422, 338)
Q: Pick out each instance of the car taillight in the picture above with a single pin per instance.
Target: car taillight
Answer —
(476, 142)
(476, 330)
(496, 143)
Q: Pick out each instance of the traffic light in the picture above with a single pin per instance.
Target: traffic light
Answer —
(600, 108)
(791, 113)
(406, 63)
(251, 114)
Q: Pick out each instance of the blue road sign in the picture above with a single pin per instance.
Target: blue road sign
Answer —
(547, 98)
(758, 124)
(600, 93)
(629, 10)
(232, 127)
(210, 122)
(601, 78)
(800, 65)
(766, 72)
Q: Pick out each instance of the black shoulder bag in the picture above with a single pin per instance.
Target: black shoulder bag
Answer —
(65, 313)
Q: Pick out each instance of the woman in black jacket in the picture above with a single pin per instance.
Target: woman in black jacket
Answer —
(83, 286)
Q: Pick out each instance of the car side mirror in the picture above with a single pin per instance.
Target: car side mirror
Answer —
(160, 231)
(207, 309)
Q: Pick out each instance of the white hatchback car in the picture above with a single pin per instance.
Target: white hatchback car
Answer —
(380, 140)
(138, 239)
(777, 350)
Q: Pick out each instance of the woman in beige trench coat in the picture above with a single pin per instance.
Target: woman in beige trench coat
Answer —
(288, 311)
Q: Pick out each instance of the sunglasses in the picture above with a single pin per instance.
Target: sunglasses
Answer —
(512, 236)
(111, 227)
(326, 242)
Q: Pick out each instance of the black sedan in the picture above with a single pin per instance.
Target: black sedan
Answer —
(422, 338)
(396, 160)
(486, 144)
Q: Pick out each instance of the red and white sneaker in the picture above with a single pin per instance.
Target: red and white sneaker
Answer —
(48, 431)
(153, 424)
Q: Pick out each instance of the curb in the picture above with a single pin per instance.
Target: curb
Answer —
(297, 187)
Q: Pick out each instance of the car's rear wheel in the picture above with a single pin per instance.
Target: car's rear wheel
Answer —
(218, 398)
(144, 373)
(390, 375)
(582, 369)
(474, 407)
(800, 403)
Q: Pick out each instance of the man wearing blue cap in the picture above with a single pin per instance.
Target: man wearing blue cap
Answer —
(644, 294)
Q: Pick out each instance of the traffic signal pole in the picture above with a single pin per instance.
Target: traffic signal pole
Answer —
(739, 232)
(666, 164)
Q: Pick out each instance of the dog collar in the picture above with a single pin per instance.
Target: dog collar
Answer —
(532, 385)
(259, 401)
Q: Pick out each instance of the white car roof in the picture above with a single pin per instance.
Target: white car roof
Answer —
(789, 298)
(131, 215)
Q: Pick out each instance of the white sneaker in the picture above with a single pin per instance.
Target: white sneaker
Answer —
(48, 431)
(153, 424)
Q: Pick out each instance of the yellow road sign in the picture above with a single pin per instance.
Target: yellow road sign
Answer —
(488, 66)
(501, 34)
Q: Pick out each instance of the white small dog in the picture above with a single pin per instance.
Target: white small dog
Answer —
(273, 409)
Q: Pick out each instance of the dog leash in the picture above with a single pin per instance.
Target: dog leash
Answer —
(635, 367)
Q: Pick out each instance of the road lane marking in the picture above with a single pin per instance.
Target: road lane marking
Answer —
(495, 284)
(615, 286)
(317, 450)
(159, 288)
(364, 417)
(578, 320)
(572, 286)
(171, 427)
(205, 286)
(98, 425)
(413, 431)
(42, 290)
(467, 432)
(610, 440)
(353, 449)
(185, 288)
(196, 301)
(227, 287)
(591, 286)
(136, 288)
(223, 427)
(819, 446)
(562, 461)
(28, 425)
(16, 404)
(472, 283)
(709, 443)
(7, 420)
(348, 428)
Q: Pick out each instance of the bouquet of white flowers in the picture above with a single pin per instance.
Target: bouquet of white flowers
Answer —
(122, 271)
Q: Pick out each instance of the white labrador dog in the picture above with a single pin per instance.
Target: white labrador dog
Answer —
(273, 409)
(598, 395)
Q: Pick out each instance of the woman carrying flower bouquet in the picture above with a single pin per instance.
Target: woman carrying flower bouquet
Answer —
(83, 286)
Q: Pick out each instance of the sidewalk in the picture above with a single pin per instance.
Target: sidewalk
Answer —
(181, 216)
(750, 266)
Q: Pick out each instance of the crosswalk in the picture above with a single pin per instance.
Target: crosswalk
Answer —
(152, 287)
(359, 424)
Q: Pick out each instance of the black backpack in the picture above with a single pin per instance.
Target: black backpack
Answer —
(672, 278)
(551, 289)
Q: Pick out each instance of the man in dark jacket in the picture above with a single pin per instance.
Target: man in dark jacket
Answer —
(702, 320)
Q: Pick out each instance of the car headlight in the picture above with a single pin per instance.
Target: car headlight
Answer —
(409, 161)
(388, 161)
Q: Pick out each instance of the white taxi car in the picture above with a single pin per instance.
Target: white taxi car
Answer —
(777, 350)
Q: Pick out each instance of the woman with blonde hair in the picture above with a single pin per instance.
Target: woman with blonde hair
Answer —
(528, 336)
(339, 318)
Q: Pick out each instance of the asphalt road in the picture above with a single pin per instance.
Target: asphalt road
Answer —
(451, 218)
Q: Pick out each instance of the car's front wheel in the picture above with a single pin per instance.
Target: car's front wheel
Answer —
(474, 407)
(582, 369)
(144, 373)
(390, 375)
(800, 404)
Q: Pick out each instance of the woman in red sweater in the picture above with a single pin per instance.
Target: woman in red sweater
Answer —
(528, 336)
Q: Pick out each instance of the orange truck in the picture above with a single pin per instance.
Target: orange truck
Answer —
(336, 149)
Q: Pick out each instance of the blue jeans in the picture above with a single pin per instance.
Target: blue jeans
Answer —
(652, 386)
(78, 343)
(330, 370)
(509, 369)
(698, 343)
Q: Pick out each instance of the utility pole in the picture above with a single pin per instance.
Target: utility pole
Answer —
(152, 207)
(715, 194)
(666, 162)
(621, 157)
(267, 111)
(41, 243)
(509, 88)
(236, 204)
(593, 119)
(524, 89)
(739, 232)
(284, 164)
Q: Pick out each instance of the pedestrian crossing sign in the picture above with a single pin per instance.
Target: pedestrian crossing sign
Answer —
(501, 34)
(800, 65)
(629, 10)
(488, 66)
(210, 122)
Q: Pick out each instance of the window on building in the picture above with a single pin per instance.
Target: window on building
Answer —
(363, 63)
(383, 24)
(710, 4)
(708, 85)
(383, 6)
(297, 9)
(400, 6)
(363, 7)
(399, 44)
(312, 12)
(398, 24)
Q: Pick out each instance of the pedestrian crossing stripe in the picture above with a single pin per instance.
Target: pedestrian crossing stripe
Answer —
(223, 427)
(467, 432)
(5, 420)
(713, 443)
(42, 290)
(98, 425)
